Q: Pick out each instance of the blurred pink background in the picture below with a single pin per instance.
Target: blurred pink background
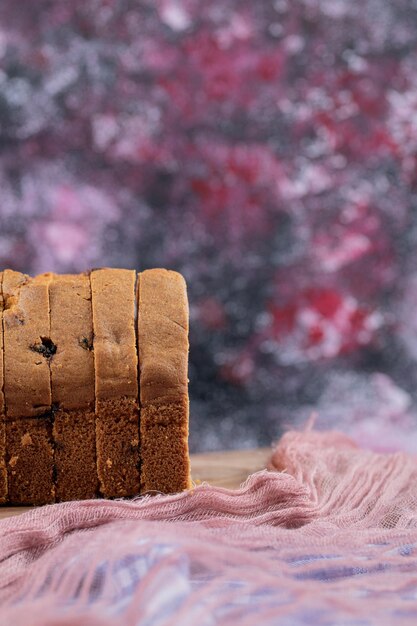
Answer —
(267, 150)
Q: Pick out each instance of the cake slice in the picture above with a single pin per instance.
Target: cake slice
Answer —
(3, 471)
(27, 389)
(116, 377)
(72, 375)
(163, 359)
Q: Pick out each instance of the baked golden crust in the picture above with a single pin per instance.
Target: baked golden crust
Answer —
(27, 387)
(116, 360)
(163, 335)
(72, 365)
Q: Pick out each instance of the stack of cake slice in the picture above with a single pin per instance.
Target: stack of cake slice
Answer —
(93, 385)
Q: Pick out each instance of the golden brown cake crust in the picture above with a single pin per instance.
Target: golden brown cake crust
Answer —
(72, 366)
(163, 358)
(29, 446)
(114, 333)
(116, 371)
(72, 374)
(163, 335)
(27, 387)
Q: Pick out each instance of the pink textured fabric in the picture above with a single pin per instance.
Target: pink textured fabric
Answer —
(331, 538)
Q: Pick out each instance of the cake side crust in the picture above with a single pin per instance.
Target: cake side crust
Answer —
(113, 293)
(27, 385)
(72, 365)
(3, 470)
(163, 334)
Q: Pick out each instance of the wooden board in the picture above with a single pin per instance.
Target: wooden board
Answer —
(222, 469)
(228, 469)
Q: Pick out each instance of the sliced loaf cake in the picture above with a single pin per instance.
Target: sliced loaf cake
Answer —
(75, 403)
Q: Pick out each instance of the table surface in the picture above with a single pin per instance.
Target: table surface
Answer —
(223, 469)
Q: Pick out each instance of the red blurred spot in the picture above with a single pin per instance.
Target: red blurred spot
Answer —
(269, 68)
(239, 370)
(211, 313)
(358, 318)
(315, 335)
(201, 187)
(284, 318)
(330, 321)
(326, 302)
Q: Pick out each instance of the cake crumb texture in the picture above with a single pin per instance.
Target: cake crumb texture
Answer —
(118, 447)
(74, 439)
(164, 449)
(30, 461)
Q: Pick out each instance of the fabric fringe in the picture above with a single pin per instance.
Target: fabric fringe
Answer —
(328, 535)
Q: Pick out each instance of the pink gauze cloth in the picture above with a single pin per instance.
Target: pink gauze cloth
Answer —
(330, 538)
